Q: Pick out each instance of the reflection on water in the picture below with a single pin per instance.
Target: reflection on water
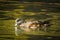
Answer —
(28, 37)
(39, 37)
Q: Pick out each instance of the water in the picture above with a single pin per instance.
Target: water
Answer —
(27, 37)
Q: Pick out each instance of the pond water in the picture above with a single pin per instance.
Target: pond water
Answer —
(31, 37)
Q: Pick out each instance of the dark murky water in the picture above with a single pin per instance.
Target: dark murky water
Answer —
(32, 37)
(40, 37)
